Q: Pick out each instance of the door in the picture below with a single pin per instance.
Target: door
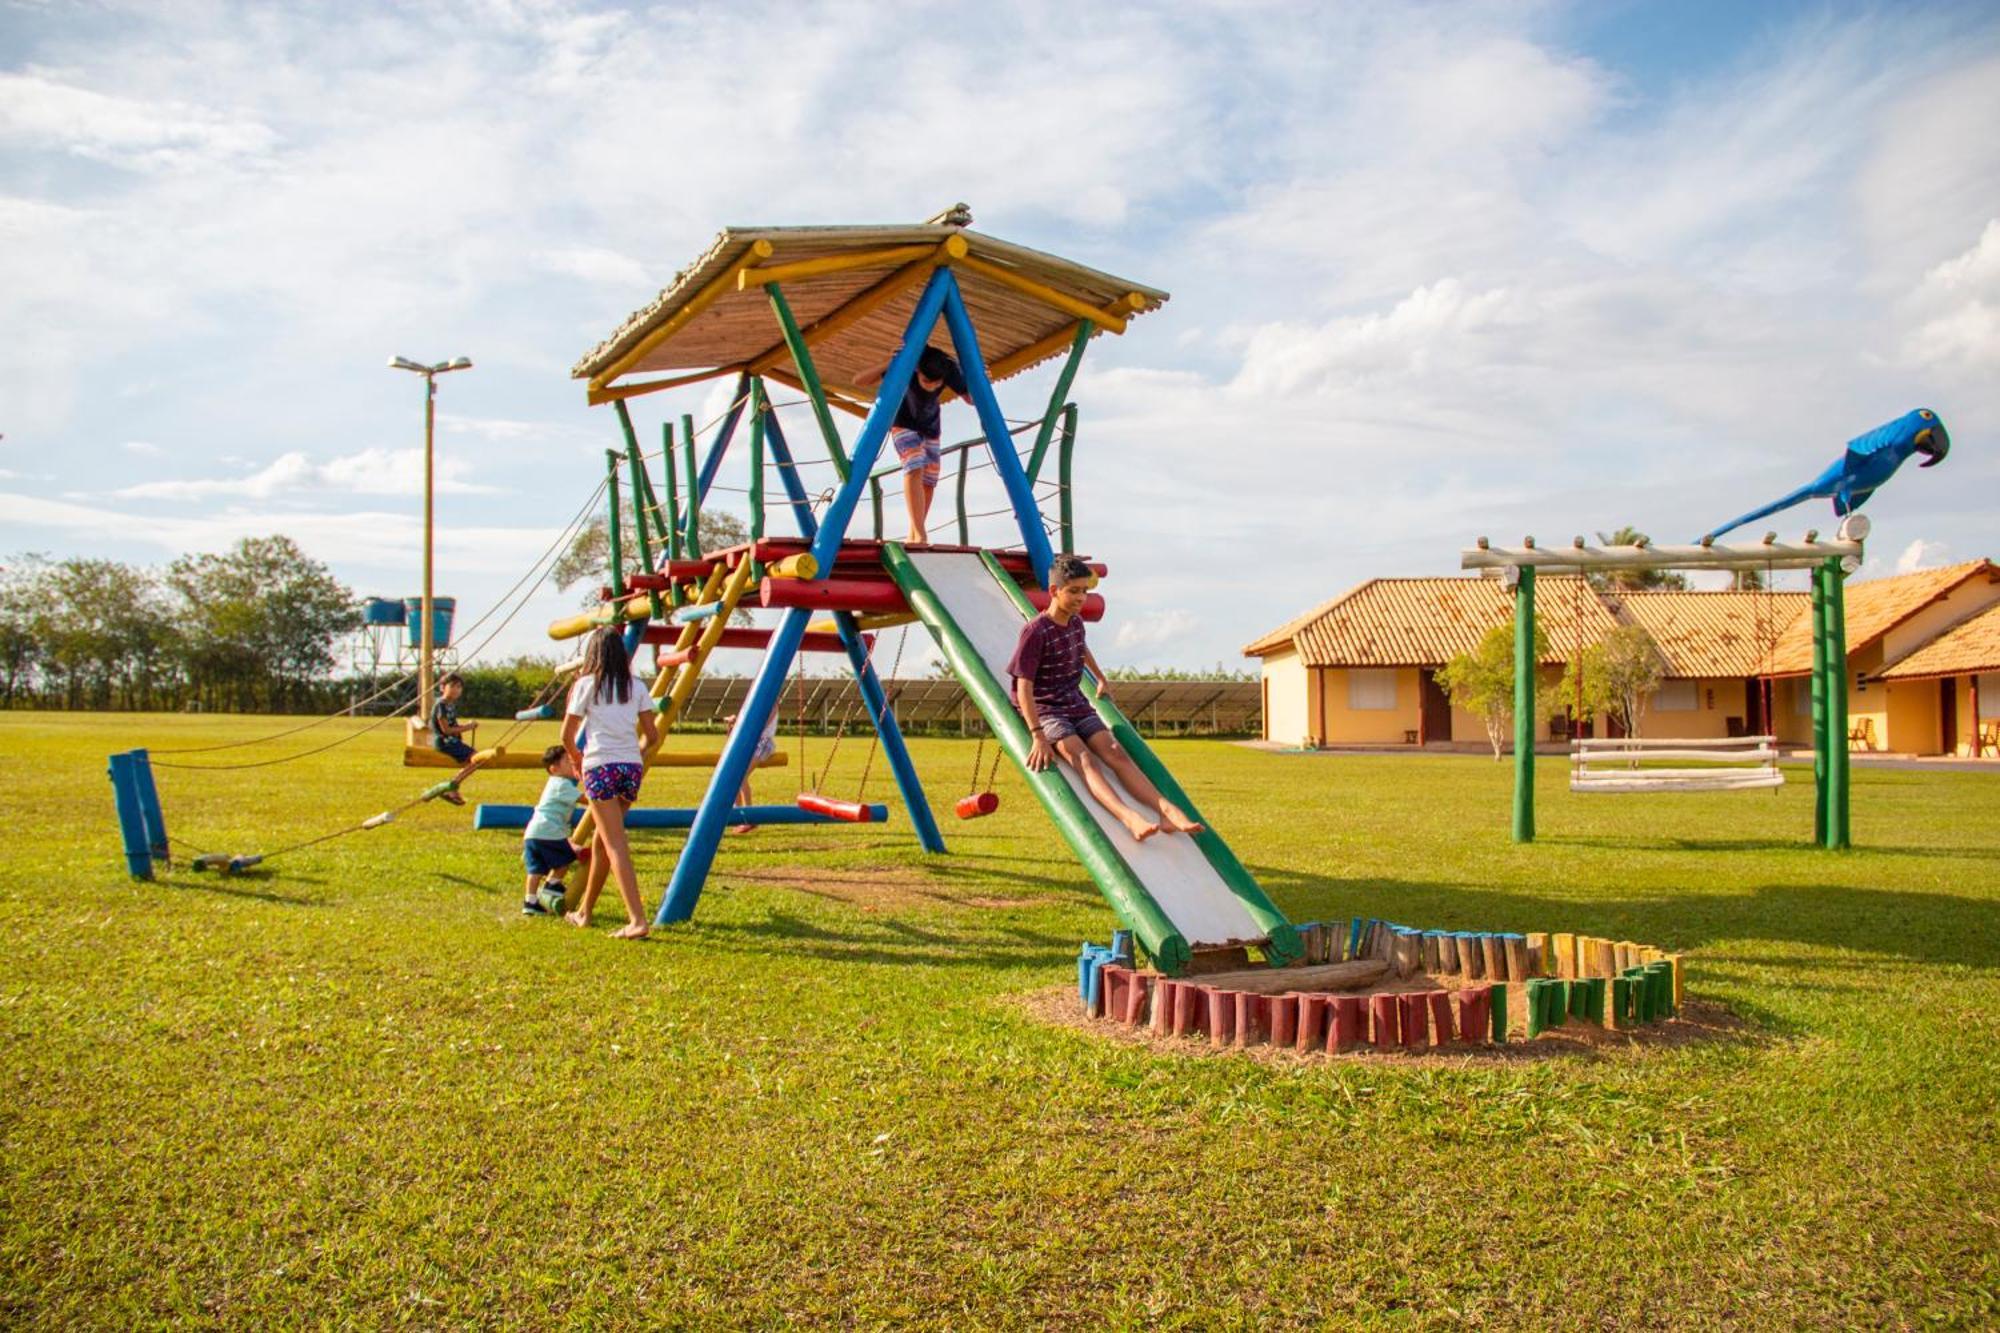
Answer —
(1948, 713)
(1433, 708)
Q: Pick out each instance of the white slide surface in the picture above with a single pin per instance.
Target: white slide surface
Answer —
(1171, 866)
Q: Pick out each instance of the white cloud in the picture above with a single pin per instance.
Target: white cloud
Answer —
(1921, 554)
(1158, 629)
(369, 472)
(39, 109)
(598, 265)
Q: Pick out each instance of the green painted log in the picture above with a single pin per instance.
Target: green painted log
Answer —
(1084, 329)
(1822, 749)
(1065, 507)
(757, 470)
(795, 342)
(616, 525)
(1538, 1007)
(1621, 1001)
(1284, 945)
(636, 464)
(1524, 705)
(691, 542)
(1128, 897)
(1499, 993)
(1838, 785)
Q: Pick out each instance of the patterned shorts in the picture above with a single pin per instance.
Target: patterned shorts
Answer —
(919, 454)
(613, 782)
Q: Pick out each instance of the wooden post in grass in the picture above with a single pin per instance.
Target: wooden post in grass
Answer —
(1524, 705)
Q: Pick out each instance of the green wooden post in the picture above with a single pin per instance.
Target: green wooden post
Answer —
(1838, 785)
(1063, 452)
(875, 502)
(1524, 705)
(964, 528)
(809, 377)
(757, 407)
(673, 491)
(637, 466)
(1822, 744)
(615, 525)
(1084, 329)
(691, 540)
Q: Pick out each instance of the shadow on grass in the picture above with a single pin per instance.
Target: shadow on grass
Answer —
(245, 884)
(1932, 928)
(1666, 844)
(885, 940)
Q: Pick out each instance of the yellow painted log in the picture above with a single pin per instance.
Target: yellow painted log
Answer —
(1564, 945)
(422, 756)
(1040, 291)
(724, 281)
(859, 305)
(866, 624)
(709, 759)
(812, 268)
(800, 566)
(1033, 354)
(614, 392)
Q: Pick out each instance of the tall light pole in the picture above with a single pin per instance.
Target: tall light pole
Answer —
(426, 643)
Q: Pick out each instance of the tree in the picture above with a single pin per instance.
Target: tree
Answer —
(1482, 682)
(1633, 580)
(259, 622)
(1618, 672)
(1748, 580)
(23, 613)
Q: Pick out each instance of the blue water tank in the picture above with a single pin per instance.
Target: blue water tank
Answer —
(441, 613)
(383, 611)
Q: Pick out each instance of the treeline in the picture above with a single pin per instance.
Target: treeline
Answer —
(252, 629)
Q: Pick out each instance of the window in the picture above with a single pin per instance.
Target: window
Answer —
(1371, 691)
(1675, 696)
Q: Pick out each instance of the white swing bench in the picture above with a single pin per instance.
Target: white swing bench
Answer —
(1739, 763)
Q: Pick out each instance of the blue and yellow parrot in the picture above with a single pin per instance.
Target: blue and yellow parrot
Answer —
(1870, 461)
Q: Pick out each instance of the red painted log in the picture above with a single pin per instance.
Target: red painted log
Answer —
(1350, 1023)
(850, 812)
(977, 805)
(1415, 1017)
(1284, 1020)
(1253, 1017)
(1220, 1008)
(1164, 992)
(1383, 1011)
(874, 596)
(1312, 1022)
(1187, 1005)
(1093, 605)
(1138, 987)
(1441, 1016)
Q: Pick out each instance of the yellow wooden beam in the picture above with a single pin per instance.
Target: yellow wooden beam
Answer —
(1056, 342)
(722, 282)
(867, 623)
(812, 268)
(1105, 319)
(861, 303)
(613, 392)
(800, 566)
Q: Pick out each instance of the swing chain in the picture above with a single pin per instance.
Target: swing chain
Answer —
(888, 709)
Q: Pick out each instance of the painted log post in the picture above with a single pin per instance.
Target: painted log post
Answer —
(1495, 951)
(1165, 994)
(1497, 998)
(1524, 705)
(1448, 951)
(1564, 947)
(1822, 739)
(1471, 955)
(1541, 963)
(1433, 958)
(1414, 1019)
(1311, 1034)
(1471, 1020)
(1187, 1003)
(1839, 783)
(1349, 1030)
(1284, 1020)
(1516, 947)
(1383, 1013)
(1441, 1026)
(1220, 1007)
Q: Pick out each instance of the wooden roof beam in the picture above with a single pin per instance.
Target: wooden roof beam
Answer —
(755, 253)
(862, 303)
(813, 268)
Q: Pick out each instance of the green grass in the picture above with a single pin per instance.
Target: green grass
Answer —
(361, 1089)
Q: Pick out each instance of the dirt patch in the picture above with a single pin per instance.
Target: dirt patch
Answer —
(871, 888)
(1697, 1022)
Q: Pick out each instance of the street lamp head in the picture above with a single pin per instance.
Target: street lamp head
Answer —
(404, 363)
(461, 363)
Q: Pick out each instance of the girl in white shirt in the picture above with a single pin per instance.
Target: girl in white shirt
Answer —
(612, 709)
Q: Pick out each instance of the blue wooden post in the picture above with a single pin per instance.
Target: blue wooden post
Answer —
(131, 816)
(149, 806)
(691, 870)
(788, 473)
(713, 463)
(893, 746)
(1020, 492)
(868, 445)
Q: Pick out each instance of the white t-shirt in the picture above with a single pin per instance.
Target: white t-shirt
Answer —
(611, 728)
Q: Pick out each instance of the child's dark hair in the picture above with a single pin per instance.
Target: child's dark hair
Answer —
(1068, 568)
(606, 659)
(553, 756)
(934, 363)
(450, 678)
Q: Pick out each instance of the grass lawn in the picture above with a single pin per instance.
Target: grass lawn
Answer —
(362, 1089)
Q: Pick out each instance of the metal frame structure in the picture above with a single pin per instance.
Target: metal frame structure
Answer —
(1830, 562)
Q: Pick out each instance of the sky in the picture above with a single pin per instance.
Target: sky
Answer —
(1438, 271)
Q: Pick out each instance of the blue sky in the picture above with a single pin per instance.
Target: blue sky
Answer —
(1438, 270)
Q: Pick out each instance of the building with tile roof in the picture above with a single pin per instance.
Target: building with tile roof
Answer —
(1360, 669)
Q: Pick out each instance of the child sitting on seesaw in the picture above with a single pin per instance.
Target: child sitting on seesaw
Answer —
(448, 734)
(546, 850)
(1047, 668)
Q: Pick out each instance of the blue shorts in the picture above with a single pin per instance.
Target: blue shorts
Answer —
(545, 856)
(1056, 727)
(453, 746)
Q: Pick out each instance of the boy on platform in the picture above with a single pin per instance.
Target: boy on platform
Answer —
(917, 431)
(1047, 668)
(546, 850)
(449, 736)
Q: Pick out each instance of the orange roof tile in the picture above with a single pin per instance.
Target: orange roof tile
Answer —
(1874, 608)
(1972, 645)
(1707, 634)
(1427, 622)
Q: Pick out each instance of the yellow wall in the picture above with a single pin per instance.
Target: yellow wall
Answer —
(1287, 720)
(1350, 726)
(1716, 700)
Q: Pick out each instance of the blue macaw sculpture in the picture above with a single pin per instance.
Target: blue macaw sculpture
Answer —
(1870, 460)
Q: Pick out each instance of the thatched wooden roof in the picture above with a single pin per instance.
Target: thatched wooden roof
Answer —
(712, 318)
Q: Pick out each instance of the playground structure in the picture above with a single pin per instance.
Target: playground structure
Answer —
(819, 310)
(1830, 562)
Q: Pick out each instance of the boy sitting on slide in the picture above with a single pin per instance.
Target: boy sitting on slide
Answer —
(1047, 668)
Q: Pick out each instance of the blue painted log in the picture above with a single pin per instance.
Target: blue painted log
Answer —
(149, 805)
(131, 817)
(891, 735)
(999, 442)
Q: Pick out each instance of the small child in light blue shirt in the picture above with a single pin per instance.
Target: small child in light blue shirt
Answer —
(546, 850)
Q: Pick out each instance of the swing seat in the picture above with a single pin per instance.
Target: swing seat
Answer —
(848, 812)
(977, 805)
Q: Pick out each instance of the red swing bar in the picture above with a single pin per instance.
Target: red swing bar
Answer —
(851, 812)
(979, 804)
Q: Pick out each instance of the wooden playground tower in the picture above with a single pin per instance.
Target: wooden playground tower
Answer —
(1830, 562)
(820, 310)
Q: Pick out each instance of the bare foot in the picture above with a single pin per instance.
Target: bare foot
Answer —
(743, 828)
(451, 797)
(632, 931)
(577, 919)
(1139, 828)
(1175, 818)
